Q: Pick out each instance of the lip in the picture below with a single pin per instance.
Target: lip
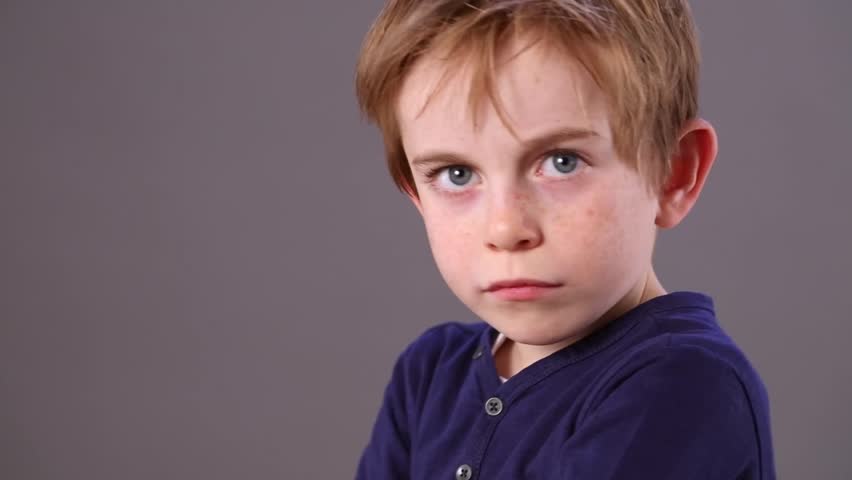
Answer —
(521, 289)
(520, 283)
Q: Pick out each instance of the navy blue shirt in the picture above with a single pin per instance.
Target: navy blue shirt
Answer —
(658, 393)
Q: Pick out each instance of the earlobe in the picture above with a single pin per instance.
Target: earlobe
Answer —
(690, 166)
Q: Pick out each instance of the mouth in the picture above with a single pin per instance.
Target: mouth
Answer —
(521, 289)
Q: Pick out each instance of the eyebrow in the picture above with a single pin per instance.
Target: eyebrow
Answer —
(423, 161)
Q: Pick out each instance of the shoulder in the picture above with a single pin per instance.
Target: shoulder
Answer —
(688, 369)
(685, 332)
(446, 346)
(445, 338)
(684, 351)
(673, 365)
(706, 346)
(672, 400)
(676, 386)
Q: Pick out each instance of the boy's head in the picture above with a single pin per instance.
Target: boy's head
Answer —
(543, 140)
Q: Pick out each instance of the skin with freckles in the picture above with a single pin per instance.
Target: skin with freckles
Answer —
(549, 199)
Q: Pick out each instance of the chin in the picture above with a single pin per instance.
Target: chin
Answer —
(539, 331)
(541, 339)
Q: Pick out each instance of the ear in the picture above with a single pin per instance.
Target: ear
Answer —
(691, 163)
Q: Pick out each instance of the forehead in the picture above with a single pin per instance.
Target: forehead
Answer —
(541, 88)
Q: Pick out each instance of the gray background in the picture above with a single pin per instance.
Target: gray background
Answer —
(207, 273)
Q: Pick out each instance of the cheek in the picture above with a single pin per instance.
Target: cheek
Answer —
(600, 232)
(583, 221)
(452, 242)
(627, 230)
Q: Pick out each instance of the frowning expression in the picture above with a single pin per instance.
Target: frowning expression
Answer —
(554, 203)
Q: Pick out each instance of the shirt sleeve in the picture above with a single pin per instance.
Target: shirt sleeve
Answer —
(388, 452)
(682, 414)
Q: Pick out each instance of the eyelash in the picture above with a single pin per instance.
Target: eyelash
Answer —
(432, 173)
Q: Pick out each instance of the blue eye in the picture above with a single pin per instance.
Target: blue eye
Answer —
(459, 175)
(563, 162)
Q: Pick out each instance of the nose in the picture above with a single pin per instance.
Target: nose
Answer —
(512, 225)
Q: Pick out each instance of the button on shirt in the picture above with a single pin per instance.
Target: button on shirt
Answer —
(659, 393)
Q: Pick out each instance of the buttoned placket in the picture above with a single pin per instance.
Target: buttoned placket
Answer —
(496, 398)
(492, 392)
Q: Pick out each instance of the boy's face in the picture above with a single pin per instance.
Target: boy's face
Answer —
(556, 205)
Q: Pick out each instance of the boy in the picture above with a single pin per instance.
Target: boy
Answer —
(543, 142)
